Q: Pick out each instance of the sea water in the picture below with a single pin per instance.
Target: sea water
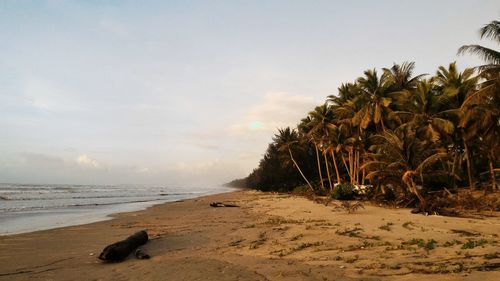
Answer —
(31, 207)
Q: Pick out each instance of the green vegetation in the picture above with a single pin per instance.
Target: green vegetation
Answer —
(429, 245)
(343, 191)
(351, 208)
(413, 138)
(302, 246)
(471, 244)
(351, 232)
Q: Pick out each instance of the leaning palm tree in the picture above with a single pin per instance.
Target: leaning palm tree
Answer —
(311, 129)
(321, 119)
(333, 146)
(285, 140)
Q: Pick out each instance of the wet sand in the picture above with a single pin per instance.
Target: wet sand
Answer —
(269, 237)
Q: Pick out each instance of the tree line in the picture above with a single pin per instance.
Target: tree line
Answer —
(409, 136)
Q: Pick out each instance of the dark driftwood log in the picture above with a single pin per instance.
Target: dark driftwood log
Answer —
(220, 204)
(120, 250)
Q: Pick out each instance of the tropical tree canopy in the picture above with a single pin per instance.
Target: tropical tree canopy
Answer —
(408, 135)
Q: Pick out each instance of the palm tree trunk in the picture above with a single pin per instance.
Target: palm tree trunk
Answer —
(363, 177)
(412, 187)
(346, 167)
(335, 165)
(319, 168)
(492, 174)
(454, 183)
(300, 171)
(356, 176)
(357, 167)
(328, 171)
(469, 171)
(351, 165)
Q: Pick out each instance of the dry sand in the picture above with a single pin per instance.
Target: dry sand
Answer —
(270, 237)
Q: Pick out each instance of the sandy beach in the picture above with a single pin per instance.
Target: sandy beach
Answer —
(269, 237)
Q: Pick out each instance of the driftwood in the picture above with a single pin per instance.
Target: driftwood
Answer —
(220, 204)
(141, 255)
(120, 250)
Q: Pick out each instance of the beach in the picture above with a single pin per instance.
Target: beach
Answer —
(269, 236)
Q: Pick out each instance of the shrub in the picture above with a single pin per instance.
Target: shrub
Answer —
(343, 191)
(302, 190)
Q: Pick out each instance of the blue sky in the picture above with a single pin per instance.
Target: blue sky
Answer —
(190, 92)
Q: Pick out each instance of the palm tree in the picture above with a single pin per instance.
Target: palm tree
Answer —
(333, 146)
(480, 111)
(400, 157)
(482, 121)
(456, 86)
(399, 77)
(374, 100)
(285, 140)
(490, 56)
(321, 119)
(312, 128)
(424, 111)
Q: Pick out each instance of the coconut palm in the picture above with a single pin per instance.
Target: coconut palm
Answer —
(313, 129)
(285, 140)
(374, 99)
(321, 119)
(480, 110)
(490, 56)
(454, 84)
(480, 119)
(333, 146)
(424, 111)
(399, 77)
(401, 158)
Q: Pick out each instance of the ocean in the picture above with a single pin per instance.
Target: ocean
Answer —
(32, 207)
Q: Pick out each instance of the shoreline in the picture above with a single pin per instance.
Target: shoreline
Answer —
(47, 219)
(269, 237)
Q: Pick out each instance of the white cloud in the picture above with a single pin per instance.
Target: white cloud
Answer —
(277, 110)
(86, 161)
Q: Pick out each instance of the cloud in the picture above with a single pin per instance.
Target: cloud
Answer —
(276, 110)
(196, 167)
(86, 161)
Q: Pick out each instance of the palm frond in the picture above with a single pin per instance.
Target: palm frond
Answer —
(491, 30)
(486, 54)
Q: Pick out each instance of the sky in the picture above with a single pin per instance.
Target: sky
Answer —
(191, 92)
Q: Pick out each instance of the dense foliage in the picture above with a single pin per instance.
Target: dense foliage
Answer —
(410, 136)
